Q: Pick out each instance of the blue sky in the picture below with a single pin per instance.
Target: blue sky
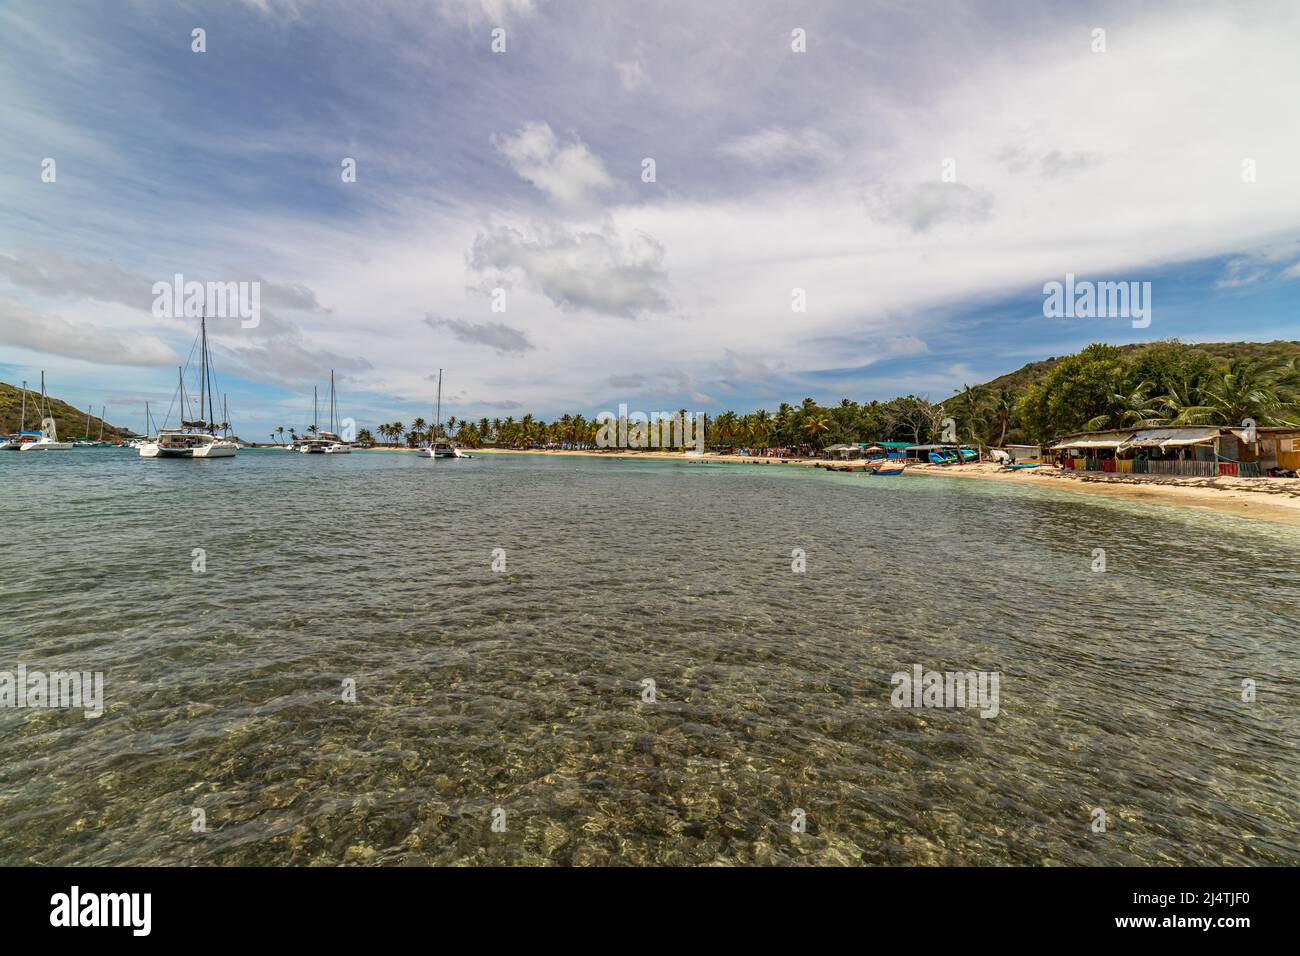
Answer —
(522, 171)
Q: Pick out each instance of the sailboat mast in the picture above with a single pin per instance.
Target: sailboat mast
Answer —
(315, 410)
(438, 413)
(333, 407)
(225, 416)
(102, 416)
(23, 426)
(148, 429)
(205, 381)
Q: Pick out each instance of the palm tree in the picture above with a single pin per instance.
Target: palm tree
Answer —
(418, 426)
(1134, 409)
(1243, 390)
(815, 426)
(1004, 407)
(280, 432)
(970, 407)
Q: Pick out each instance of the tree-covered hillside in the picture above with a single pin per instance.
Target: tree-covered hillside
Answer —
(70, 421)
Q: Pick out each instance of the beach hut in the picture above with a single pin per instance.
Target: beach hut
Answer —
(844, 452)
(1192, 451)
(1279, 450)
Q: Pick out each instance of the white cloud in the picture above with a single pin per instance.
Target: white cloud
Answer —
(632, 74)
(21, 327)
(775, 146)
(604, 272)
(567, 172)
(497, 336)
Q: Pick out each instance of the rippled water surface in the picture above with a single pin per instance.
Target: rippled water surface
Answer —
(522, 690)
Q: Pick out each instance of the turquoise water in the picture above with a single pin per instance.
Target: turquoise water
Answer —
(520, 691)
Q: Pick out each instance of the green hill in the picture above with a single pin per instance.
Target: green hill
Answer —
(1272, 353)
(70, 421)
(1161, 382)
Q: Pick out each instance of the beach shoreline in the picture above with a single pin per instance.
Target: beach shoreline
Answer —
(1275, 500)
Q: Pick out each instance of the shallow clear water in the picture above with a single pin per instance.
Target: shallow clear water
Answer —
(523, 690)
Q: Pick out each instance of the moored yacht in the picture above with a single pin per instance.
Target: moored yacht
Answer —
(322, 442)
(49, 437)
(436, 448)
(197, 438)
(442, 449)
(187, 443)
(15, 441)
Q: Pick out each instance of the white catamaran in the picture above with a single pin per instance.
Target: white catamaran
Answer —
(325, 443)
(49, 440)
(436, 448)
(199, 438)
(21, 437)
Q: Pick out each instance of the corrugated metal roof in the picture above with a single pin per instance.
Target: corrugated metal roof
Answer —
(1095, 440)
(1172, 437)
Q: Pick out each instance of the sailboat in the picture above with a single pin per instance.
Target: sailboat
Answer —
(436, 448)
(194, 439)
(21, 437)
(49, 440)
(148, 432)
(328, 442)
(84, 440)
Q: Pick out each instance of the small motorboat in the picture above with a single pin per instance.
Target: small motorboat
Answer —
(886, 468)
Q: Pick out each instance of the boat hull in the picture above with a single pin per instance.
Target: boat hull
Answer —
(47, 446)
(216, 450)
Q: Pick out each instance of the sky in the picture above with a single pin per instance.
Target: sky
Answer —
(918, 171)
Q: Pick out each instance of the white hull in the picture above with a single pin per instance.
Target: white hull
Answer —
(338, 450)
(217, 449)
(43, 445)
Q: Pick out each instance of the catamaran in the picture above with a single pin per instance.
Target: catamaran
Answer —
(148, 432)
(435, 448)
(21, 437)
(49, 440)
(198, 438)
(325, 442)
